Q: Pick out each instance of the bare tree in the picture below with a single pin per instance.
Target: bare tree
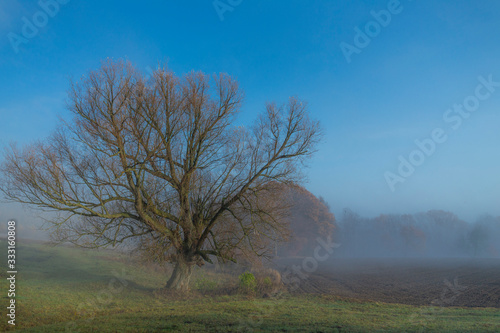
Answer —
(158, 162)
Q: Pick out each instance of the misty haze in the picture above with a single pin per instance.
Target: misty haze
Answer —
(250, 166)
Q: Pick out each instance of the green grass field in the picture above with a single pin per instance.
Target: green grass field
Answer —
(66, 289)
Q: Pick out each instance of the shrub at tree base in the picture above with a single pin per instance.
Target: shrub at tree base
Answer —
(248, 283)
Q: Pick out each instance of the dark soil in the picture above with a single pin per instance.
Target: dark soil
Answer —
(440, 282)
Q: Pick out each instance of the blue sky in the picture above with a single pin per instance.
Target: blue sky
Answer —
(395, 90)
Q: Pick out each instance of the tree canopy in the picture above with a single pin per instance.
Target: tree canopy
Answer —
(158, 162)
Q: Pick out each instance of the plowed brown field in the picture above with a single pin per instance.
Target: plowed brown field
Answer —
(440, 282)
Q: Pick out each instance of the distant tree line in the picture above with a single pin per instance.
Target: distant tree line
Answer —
(434, 233)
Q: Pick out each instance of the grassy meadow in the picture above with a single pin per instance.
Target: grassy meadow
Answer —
(64, 289)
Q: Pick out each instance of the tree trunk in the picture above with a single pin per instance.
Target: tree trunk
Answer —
(180, 276)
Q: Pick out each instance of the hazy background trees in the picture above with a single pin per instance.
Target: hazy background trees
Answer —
(434, 233)
(309, 218)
